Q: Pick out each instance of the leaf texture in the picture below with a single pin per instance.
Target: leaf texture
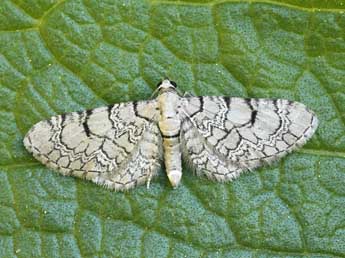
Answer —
(62, 55)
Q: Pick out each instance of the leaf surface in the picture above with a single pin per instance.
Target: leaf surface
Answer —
(60, 56)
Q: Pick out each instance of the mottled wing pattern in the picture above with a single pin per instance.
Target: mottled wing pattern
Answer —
(222, 136)
(118, 146)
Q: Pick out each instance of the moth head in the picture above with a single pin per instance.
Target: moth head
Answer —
(166, 84)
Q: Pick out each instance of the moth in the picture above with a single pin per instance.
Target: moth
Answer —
(122, 145)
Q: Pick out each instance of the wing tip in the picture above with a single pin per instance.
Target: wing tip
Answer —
(27, 144)
(27, 141)
(313, 126)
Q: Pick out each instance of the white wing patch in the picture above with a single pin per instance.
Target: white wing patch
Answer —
(118, 146)
(223, 137)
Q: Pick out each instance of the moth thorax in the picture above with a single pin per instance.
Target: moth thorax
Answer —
(170, 126)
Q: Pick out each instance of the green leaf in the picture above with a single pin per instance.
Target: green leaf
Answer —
(61, 56)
